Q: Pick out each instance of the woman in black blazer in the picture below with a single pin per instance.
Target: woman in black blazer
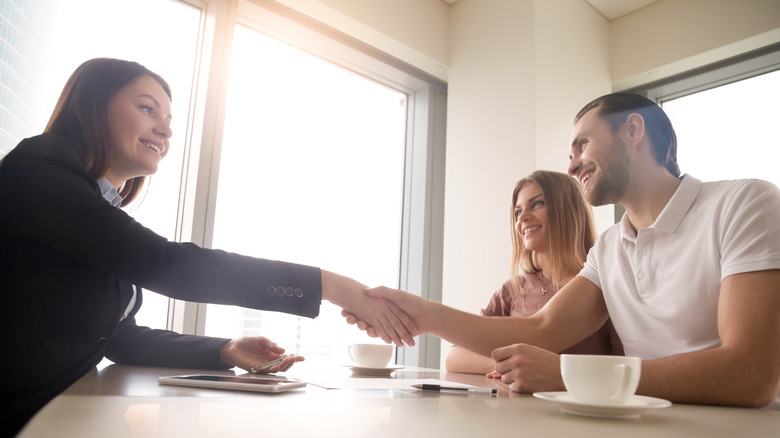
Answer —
(72, 264)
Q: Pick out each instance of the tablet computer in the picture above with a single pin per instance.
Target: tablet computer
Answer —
(272, 384)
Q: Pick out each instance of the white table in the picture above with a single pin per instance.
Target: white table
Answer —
(126, 401)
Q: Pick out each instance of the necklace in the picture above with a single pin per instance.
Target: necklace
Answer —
(542, 280)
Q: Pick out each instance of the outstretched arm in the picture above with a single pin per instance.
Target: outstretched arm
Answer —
(572, 314)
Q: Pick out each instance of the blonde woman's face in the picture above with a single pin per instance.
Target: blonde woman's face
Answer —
(139, 119)
(531, 218)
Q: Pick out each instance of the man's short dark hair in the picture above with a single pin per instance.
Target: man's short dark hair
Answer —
(616, 107)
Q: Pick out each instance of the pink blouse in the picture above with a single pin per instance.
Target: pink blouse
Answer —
(537, 291)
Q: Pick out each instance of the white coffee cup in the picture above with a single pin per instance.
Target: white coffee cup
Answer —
(370, 355)
(602, 380)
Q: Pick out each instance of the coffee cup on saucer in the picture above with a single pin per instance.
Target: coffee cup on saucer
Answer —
(370, 355)
(600, 380)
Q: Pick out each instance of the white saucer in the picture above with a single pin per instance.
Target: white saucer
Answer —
(374, 371)
(635, 406)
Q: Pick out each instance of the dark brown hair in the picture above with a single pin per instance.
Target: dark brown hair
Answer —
(616, 107)
(81, 114)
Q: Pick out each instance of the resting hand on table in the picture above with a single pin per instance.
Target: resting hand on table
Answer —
(412, 307)
(526, 368)
(250, 352)
(385, 319)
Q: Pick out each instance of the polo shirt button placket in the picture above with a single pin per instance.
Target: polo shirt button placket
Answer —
(643, 270)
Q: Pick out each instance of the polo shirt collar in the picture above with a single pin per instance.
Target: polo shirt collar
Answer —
(673, 214)
(627, 231)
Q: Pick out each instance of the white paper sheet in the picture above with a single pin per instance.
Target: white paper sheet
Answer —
(329, 382)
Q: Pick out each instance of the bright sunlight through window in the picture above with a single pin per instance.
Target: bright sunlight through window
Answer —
(82, 31)
(727, 132)
(311, 171)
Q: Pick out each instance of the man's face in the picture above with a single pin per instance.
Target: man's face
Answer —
(599, 160)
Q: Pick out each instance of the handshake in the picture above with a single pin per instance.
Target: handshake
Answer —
(392, 315)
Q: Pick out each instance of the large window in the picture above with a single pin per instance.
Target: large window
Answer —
(311, 171)
(330, 155)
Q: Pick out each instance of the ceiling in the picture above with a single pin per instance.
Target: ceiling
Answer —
(611, 9)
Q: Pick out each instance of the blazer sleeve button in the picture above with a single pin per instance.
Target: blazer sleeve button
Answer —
(102, 341)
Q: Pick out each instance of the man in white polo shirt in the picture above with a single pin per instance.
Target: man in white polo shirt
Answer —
(663, 282)
(690, 276)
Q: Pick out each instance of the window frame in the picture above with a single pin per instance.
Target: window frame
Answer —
(744, 66)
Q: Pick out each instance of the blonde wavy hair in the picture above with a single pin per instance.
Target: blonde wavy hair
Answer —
(569, 220)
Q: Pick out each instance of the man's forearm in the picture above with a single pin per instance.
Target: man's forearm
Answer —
(719, 376)
(483, 334)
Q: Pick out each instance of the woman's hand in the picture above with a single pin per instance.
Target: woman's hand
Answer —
(249, 352)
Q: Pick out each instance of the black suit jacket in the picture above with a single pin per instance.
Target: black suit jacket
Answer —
(68, 263)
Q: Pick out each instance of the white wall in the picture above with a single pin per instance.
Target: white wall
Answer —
(572, 67)
(490, 137)
(489, 143)
(519, 72)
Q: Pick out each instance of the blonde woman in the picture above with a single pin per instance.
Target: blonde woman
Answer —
(552, 231)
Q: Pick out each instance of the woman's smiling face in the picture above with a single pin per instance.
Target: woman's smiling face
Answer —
(531, 218)
(139, 118)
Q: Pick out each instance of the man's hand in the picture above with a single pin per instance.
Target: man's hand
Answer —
(250, 352)
(525, 368)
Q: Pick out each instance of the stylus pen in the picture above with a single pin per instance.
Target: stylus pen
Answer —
(429, 387)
